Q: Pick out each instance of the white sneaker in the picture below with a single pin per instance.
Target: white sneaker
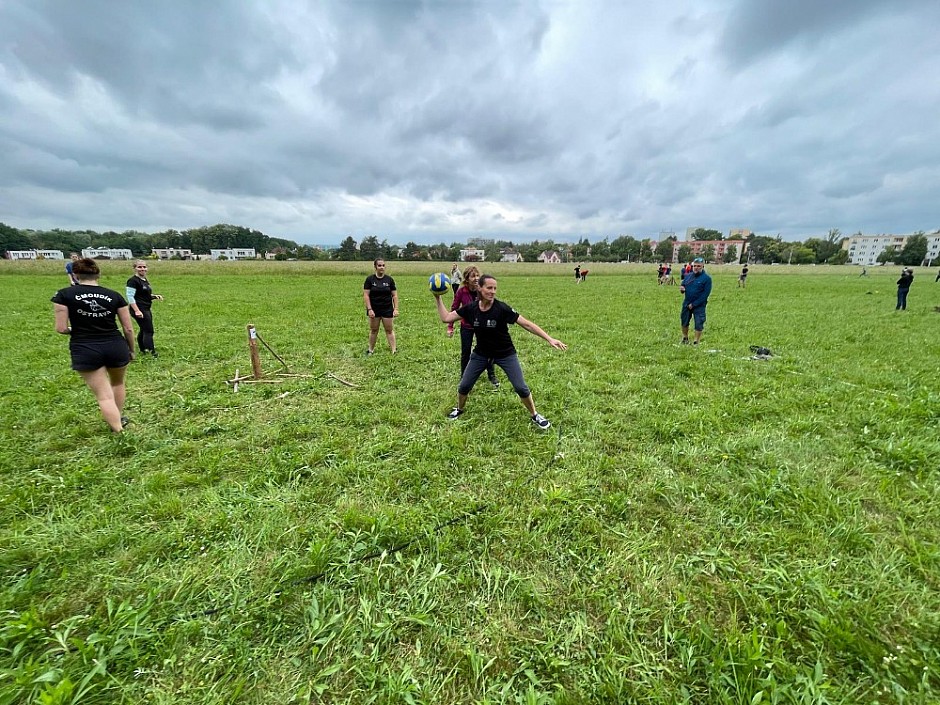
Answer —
(454, 413)
(541, 421)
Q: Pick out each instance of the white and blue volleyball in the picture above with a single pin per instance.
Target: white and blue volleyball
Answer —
(438, 283)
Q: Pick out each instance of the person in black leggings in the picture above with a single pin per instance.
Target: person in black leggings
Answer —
(490, 319)
(140, 297)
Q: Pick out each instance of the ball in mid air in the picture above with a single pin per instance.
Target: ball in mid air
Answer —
(438, 283)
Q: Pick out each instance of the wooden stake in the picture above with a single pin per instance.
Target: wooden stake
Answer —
(253, 348)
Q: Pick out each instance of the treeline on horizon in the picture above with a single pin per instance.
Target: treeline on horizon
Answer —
(759, 249)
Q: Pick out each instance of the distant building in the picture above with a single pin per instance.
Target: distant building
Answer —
(865, 249)
(234, 253)
(107, 253)
(739, 234)
(719, 246)
(550, 257)
(472, 254)
(933, 248)
(35, 254)
(171, 252)
(481, 242)
(508, 255)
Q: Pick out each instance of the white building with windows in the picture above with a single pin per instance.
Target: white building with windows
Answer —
(107, 253)
(550, 257)
(234, 253)
(933, 249)
(35, 254)
(171, 252)
(472, 254)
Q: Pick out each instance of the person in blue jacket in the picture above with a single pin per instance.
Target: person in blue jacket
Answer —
(696, 287)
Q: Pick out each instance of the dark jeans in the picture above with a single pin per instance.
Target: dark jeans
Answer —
(466, 347)
(509, 364)
(902, 299)
(145, 334)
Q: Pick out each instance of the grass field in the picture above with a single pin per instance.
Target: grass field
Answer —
(696, 526)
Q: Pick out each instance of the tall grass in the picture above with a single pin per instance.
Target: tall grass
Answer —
(696, 527)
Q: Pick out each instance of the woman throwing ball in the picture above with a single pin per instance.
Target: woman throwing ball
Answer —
(99, 353)
(490, 319)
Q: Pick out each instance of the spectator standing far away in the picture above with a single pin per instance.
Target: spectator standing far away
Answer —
(73, 280)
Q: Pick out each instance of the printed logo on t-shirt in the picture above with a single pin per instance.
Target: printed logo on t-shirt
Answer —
(94, 309)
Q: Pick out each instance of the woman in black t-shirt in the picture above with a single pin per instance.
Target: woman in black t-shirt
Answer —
(381, 299)
(86, 312)
(490, 319)
(140, 297)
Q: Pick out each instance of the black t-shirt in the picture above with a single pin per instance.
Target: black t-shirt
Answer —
(143, 294)
(92, 311)
(491, 327)
(380, 293)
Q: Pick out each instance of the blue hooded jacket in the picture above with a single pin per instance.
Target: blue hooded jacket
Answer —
(697, 288)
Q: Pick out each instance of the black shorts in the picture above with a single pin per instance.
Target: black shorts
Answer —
(383, 312)
(89, 355)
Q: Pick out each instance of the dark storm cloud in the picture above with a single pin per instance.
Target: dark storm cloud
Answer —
(758, 28)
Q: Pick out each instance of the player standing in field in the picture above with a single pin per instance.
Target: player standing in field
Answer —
(696, 287)
(381, 299)
(140, 298)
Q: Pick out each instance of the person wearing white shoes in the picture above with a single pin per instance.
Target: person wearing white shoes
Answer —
(381, 299)
(89, 313)
(490, 319)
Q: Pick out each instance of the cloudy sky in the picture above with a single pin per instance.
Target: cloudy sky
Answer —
(443, 120)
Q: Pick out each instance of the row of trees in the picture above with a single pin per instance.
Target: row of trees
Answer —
(199, 240)
(759, 249)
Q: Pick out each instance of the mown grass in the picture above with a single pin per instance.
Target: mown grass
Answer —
(696, 527)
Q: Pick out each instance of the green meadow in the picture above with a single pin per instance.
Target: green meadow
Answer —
(696, 527)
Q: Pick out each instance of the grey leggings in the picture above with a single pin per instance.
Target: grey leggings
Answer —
(509, 364)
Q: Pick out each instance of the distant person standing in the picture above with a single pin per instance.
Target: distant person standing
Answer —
(87, 313)
(742, 280)
(577, 273)
(455, 278)
(696, 287)
(140, 296)
(904, 286)
(584, 273)
(73, 258)
(381, 300)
